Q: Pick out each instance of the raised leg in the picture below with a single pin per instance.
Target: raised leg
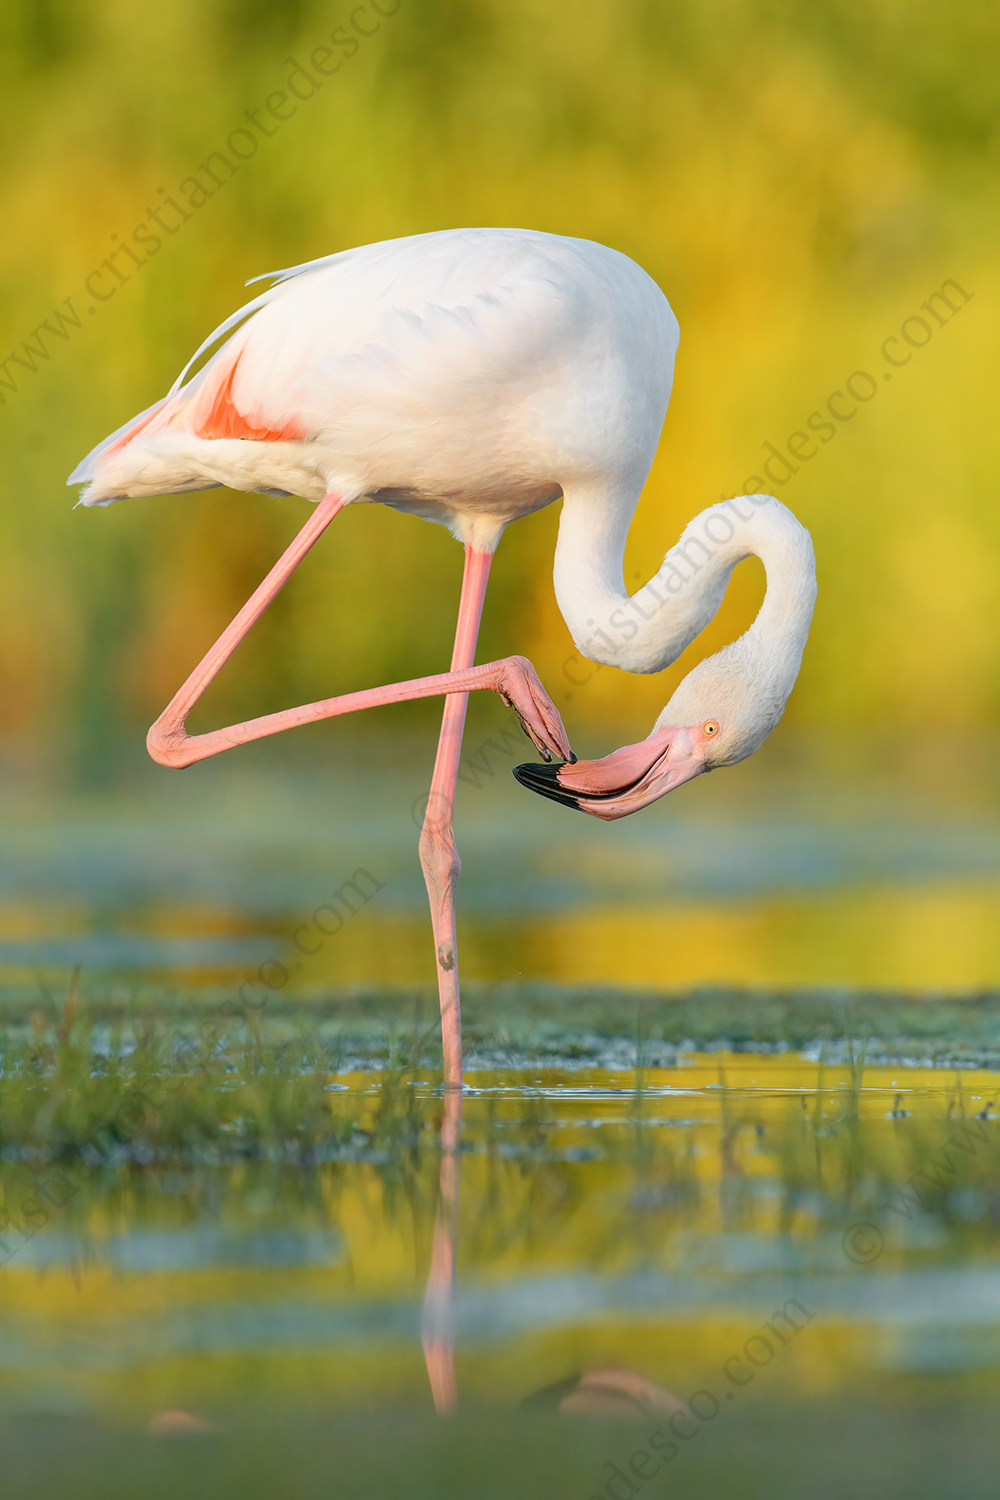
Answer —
(513, 678)
(167, 735)
(438, 855)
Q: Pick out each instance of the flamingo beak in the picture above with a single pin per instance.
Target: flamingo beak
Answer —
(624, 781)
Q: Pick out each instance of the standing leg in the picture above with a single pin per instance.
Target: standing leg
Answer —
(438, 855)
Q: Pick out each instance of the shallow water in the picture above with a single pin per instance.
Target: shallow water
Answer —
(788, 1253)
(818, 861)
(654, 1222)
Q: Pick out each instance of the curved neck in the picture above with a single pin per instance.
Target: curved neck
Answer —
(650, 629)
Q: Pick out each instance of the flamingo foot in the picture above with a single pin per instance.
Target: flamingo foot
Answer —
(519, 685)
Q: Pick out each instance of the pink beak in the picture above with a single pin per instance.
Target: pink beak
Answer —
(624, 781)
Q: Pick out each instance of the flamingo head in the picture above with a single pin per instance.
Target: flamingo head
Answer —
(721, 712)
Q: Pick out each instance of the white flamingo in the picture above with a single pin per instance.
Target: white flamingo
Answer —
(473, 376)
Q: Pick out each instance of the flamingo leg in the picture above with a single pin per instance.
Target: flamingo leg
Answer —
(438, 855)
(167, 735)
(513, 678)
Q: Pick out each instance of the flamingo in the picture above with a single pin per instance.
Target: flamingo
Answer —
(471, 377)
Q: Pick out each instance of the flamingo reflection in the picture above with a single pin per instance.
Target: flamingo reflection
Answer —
(437, 1326)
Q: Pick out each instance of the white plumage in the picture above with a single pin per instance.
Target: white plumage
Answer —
(467, 376)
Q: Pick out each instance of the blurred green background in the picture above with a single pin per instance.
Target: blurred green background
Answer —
(798, 175)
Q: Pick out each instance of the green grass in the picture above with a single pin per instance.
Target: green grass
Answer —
(99, 1045)
(167, 1114)
(154, 1085)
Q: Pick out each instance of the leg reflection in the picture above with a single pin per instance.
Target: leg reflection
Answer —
(438, 1321)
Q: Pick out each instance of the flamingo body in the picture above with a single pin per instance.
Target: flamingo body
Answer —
(470, 376)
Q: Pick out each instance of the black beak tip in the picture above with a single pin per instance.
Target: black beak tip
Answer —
(544, 780)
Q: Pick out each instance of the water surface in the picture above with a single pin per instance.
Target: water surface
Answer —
(818, 861)
(650, 1220)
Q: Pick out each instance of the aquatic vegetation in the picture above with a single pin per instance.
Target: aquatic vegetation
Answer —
(240, 1218)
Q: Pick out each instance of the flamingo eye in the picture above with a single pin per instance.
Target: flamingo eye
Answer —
(711, 727)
